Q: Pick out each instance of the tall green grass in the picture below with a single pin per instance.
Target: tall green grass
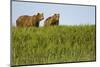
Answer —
(53, 44)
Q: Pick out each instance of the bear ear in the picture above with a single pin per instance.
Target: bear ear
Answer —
(38, 13)
(55, 14)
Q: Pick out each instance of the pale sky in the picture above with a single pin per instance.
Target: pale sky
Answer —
(69, 14)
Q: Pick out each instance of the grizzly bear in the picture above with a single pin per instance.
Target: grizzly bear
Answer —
(51, 21)
(29, 21)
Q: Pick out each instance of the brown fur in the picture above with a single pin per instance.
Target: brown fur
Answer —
(29, 21)
(51, 21)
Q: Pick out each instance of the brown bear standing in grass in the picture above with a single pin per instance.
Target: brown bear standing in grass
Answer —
(29, 21)
(51, 21)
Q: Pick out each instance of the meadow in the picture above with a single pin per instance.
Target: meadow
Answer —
(55, 44)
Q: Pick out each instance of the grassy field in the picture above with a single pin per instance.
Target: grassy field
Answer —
(53, 44)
